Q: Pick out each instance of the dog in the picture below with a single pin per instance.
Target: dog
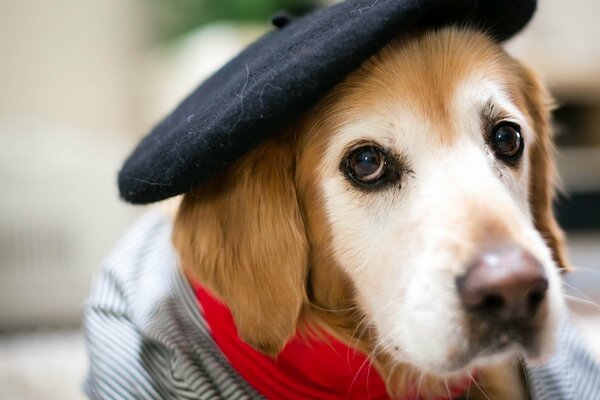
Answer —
(408, 214)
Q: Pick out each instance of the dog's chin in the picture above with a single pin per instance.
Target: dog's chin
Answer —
(498, 355)
(495, 351)
(485, 358)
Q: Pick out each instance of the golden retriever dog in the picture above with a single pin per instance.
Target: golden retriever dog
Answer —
(408, 214)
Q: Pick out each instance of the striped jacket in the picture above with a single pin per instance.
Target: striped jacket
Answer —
(147, 339)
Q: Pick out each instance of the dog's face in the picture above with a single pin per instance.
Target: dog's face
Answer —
(419, 191)
(424, 173)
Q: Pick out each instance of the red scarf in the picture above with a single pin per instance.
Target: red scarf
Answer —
(305, 368)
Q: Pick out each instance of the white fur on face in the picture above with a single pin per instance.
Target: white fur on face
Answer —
(404, 246)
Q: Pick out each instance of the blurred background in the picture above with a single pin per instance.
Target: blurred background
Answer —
(82, 81)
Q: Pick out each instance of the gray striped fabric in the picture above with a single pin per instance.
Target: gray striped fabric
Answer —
(147, 339)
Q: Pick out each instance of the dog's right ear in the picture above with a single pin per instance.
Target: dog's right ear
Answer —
(543, 175)
(242, 236)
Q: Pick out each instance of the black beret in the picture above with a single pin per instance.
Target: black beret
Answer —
(276, 79)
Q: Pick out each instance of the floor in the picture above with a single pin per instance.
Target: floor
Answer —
(42, 365)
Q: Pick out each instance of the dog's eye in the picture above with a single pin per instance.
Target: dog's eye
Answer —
(366, 164)
(507, 142)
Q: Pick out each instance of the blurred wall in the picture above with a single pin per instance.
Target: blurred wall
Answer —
(70, 62)
(68, 111)
(563, 43)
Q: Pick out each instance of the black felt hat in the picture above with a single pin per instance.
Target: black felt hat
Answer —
(279, 77)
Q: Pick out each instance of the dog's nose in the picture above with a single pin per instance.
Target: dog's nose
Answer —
(505, 284)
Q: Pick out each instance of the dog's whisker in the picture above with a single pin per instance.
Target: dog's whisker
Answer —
(368, 387)
(583, 297)
(370, 357)
(360, 329)
(338, 310)
(355, 339)
(447, 387)
(477, 384)
(468, 389)
(582, 300)
(390, 375)
(577, 268)
(366, 362)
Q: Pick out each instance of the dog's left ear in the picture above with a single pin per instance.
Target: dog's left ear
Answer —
(242, 236)
(542, 169)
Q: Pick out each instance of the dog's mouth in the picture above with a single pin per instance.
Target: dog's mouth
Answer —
(510, 340)
(486, 341)
(494, 351)
(493, 341)
(495, 337)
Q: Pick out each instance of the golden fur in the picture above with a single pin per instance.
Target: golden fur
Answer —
(259, 237)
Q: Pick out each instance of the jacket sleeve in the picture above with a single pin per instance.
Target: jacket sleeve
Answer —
(570, 374)
(118, 350)
(145, 333)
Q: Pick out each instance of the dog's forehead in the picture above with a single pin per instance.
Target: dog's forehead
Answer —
(433, 80)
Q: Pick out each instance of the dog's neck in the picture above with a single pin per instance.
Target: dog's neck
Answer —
(310, 366)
